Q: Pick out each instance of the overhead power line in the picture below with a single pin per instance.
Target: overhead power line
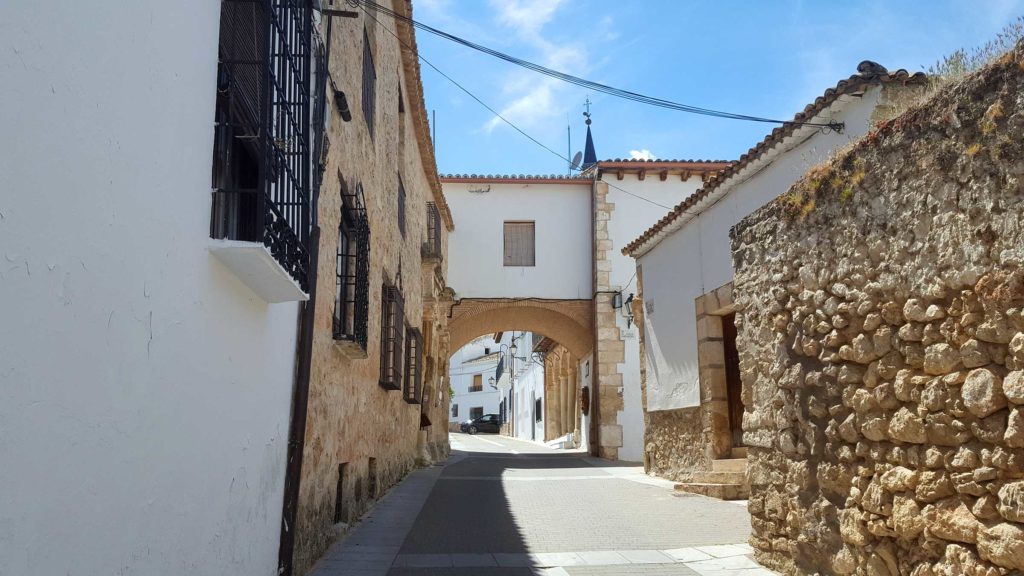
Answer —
(596, 86)
(484, 104)
(460, 86)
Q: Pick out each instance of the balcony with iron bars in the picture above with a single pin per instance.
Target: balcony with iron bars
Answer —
(430, 252)
(269, 126)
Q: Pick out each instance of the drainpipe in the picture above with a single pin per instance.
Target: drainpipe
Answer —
(297, 426)
(595, 374)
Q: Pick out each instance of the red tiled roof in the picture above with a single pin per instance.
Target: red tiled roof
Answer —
(780, 133)
(517, 178)
(669, 163)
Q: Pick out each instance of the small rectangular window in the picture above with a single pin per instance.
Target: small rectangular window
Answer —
(369, 84)
(478, 383)
(476, 412)
(340, 512)
(538, 413)
(401, 99)
(401, 206)
(455, 410)
(519, 244)
(392, 333)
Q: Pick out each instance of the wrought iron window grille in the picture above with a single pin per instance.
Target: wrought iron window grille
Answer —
(413, 382)
(392, 333)
(262, 167)
(432, 247)
(352, 283)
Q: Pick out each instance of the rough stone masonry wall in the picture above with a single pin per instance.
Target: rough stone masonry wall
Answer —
(360, 438)
(882, 347)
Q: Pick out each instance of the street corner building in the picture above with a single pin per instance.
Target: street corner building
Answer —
(225, 305)
(378, 393)
(694, 396)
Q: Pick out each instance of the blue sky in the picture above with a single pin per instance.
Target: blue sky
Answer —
(766, 58)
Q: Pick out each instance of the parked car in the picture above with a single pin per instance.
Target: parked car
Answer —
(485, 423)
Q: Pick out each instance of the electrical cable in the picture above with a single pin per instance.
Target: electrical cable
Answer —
(598, 87)
(484, 104)
(459, 86)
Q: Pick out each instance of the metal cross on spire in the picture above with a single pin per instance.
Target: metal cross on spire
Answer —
(587, 113)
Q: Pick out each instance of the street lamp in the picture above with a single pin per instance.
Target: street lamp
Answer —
(492, 383)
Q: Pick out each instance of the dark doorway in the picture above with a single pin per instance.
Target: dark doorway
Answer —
(733, 385)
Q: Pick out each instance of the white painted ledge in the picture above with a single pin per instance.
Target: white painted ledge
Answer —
(253, 264)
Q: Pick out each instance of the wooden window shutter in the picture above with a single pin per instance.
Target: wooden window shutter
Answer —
(520, 248)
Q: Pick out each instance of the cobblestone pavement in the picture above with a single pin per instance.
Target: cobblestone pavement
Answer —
(505, 507)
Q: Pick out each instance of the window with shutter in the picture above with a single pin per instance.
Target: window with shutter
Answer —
(478, 383)
(519, 244)
(413, 382)
(392, 332)
(352, 283)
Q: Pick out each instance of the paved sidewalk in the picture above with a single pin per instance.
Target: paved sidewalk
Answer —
(504, 507)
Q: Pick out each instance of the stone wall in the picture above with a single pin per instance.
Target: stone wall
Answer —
(882, 346)
(360, 438)
(675, 446)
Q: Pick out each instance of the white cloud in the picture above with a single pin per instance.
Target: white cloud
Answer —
(643, 154)
(535, 102)
(527, 17)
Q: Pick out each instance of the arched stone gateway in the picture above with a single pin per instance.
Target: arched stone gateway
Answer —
(568, 322)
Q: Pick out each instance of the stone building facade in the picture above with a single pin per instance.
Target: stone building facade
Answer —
(882, 346)
(378, 392)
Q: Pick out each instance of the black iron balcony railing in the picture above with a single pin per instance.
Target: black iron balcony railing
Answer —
(263, 173)
(432, 247)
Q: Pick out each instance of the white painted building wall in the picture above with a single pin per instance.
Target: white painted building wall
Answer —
(564, 251)
(144, 390)
(529, 388)
(631, 217)
(696, 258)
(478, 357)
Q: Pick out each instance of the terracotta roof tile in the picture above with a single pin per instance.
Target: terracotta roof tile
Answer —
(777, 135)
(552, 178)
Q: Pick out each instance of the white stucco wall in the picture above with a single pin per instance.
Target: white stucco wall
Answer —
(696, 258)
(562, 214)
(468, 361)
(529, 388)
(144, 390)
(631, 217)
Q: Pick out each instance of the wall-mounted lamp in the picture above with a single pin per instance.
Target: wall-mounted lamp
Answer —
(491, 382)
(627, 311)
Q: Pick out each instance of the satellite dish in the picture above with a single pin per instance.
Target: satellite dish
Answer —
(576, 160)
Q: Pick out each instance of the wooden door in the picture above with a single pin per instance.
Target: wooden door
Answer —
(734, 386)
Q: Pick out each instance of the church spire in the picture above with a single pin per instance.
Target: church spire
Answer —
(589, 154)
